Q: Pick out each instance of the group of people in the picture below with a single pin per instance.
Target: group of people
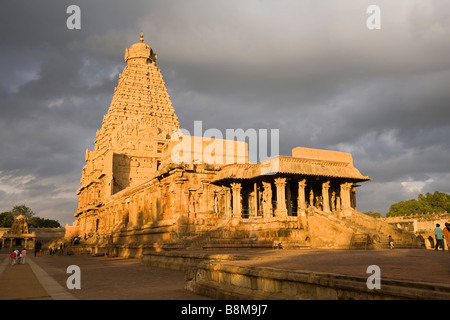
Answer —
(441, 235)
(18, 257)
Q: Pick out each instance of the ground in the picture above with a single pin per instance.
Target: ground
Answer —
(127, 279)
(101, 279)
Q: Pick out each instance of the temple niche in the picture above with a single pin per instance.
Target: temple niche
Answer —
(139, 193)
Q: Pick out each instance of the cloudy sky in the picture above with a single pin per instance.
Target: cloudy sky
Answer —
(311, 69)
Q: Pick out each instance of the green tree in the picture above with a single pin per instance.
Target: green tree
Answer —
(373, 214)
(6, 219)
(22, 210)
(37, 222)
(428, 203)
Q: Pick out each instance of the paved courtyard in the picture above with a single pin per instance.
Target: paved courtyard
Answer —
(43, 278)
(418, 265)
(101, 279)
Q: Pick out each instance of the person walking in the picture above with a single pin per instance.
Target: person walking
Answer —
(13, 257)
(23, 255)
(439, 237)
(391, 242)
(446, 233)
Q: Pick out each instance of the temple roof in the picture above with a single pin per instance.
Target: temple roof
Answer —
(290, 165)
(140, 50)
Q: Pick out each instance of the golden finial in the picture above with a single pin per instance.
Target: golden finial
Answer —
(142, 37)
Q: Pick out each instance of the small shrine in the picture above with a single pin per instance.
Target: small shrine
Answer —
(18, 236)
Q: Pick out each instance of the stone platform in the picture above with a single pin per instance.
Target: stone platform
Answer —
(310, 274)
(44, 278)
(233, 274)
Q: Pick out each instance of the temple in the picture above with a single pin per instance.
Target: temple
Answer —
(135, 195)
(20, 235)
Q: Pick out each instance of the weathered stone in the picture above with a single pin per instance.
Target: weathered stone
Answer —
(145, 185)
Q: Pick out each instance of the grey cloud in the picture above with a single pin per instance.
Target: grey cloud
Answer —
(308, 68)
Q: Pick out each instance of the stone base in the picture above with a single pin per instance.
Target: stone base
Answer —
(229, 282)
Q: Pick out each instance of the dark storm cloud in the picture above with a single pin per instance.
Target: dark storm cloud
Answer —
(311, 69)
(54, 93)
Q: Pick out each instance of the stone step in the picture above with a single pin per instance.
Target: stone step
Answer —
(362, 241)
(245, 243)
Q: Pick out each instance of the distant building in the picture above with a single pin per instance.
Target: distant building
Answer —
(20, 236)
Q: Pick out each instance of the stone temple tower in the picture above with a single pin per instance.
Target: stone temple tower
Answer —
(133, 134)
(135, 197)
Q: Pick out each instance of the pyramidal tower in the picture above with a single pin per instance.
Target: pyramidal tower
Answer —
(136, 128)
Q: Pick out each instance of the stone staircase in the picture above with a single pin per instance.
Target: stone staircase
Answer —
(360, 241)
(371, 233)
(214, 240)
(239, 234)
(377, 232)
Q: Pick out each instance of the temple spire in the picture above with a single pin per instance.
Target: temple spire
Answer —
(142, 38)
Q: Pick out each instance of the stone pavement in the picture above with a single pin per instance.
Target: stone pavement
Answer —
(127, 279)
(19, 282)
(101, 279)
(419, 265)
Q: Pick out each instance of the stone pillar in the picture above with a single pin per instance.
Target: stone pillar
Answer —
(205, 197)
(281, 197)
(267, 200)
(179, 194)
(353, 197)
(345, 197)
(254, 212)
(228, 204)
(237, 209)
(301, 201)
(325, 196)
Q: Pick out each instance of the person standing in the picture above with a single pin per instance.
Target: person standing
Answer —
(13, 257)
(446, 233)
(37, 248)
(23, 254)
(17, 255)
(439, 237)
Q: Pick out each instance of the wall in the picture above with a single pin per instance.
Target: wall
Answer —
(218, 280)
